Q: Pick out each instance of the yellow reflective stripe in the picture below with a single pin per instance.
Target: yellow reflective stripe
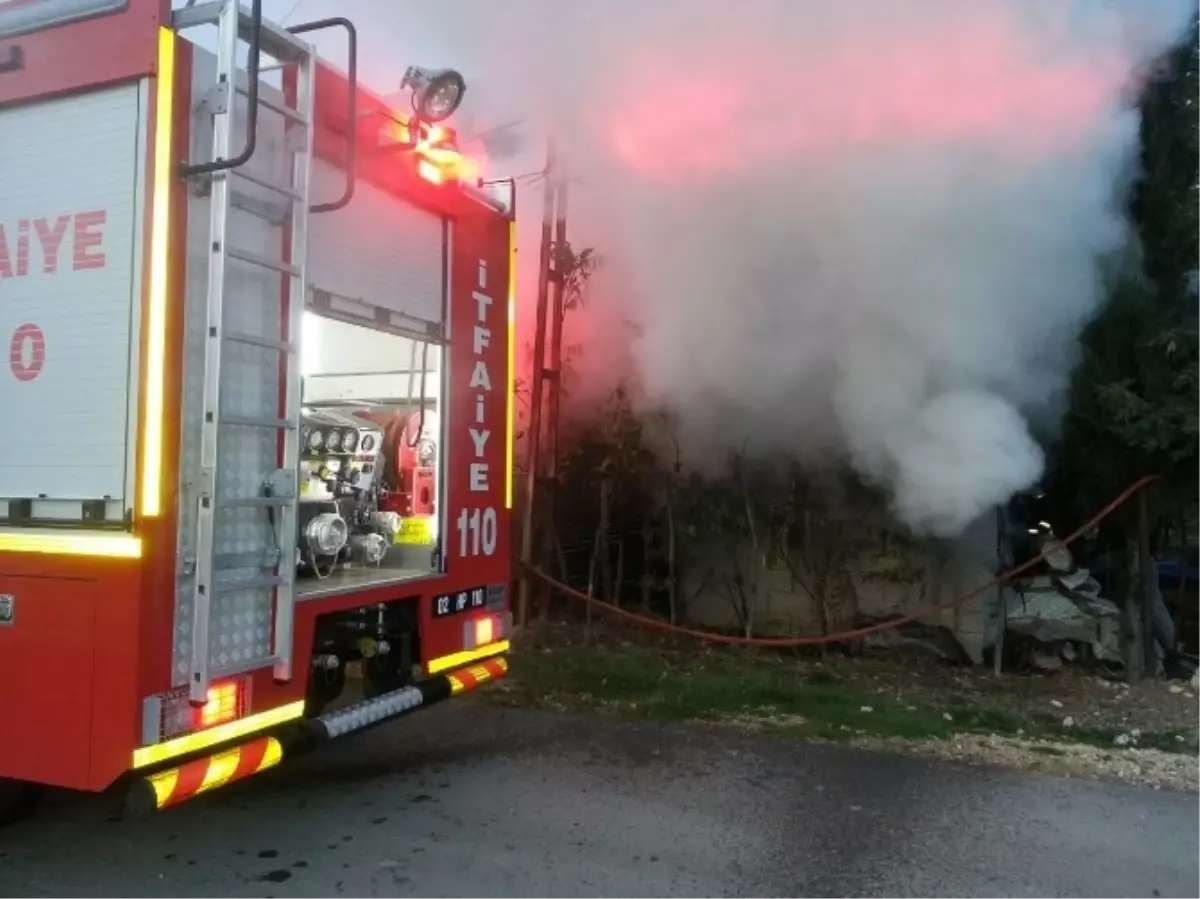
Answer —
(185, 745)
(119, 546)
(458, 659)
(220, 769)
(159, 280)
(510, 385)
(164, 785)
(272, 757)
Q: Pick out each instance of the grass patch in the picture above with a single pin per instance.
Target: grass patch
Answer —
(649, 683)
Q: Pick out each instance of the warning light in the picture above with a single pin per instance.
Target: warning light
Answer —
(485, 630)
(223, 704)
(430, 172)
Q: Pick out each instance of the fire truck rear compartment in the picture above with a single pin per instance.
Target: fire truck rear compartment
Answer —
(375, 395)
(364, 359)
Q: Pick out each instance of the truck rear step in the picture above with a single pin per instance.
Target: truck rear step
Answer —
(179, 783)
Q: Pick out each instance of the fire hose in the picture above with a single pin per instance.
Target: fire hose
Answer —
(858, 633)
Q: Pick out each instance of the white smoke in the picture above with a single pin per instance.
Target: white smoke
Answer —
(859, 230)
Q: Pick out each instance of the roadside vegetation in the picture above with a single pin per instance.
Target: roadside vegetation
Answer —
(840, 698)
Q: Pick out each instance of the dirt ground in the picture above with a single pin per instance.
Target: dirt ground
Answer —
(1074, 722)
(1072, 696)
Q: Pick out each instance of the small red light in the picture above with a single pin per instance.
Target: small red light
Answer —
(223, 705)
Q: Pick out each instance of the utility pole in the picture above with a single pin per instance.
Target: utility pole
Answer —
(554, 371)
(535, 390)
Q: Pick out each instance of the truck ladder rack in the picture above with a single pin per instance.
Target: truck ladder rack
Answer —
(278, 497)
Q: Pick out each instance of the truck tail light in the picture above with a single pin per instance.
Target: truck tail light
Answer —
(224, 704)
(486, 629)
(169, 715)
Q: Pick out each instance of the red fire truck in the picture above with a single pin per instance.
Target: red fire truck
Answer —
(201, 523)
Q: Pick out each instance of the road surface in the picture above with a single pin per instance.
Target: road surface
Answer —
(473, 800)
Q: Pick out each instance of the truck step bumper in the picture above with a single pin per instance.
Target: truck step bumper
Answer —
(391, 705)
(175, 785)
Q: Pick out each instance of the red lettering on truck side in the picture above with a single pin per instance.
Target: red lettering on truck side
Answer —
(27, 352)
(51, 241)
(87, 238)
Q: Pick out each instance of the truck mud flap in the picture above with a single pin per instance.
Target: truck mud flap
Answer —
(230, 764)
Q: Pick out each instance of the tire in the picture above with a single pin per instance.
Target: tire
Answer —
(17, 800)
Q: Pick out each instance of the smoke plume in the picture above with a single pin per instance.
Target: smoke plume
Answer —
(845, 230)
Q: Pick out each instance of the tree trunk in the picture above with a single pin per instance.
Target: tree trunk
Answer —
(1145, 590)
(673, 611)
(1181, 590)
(605, 547)
(813, 559)
(647, 538)
(619, 580)
(749, 589)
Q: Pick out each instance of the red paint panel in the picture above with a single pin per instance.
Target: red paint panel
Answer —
(87, 54)
(477, 398)
(46, 662)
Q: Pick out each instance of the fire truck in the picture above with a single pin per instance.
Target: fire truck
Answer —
(210, 507)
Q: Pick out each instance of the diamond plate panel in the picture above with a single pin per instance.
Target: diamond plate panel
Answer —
(240, 619)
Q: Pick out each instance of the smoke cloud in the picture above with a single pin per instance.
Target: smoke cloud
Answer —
(862, 231)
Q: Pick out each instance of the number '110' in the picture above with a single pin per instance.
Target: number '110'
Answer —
(476, 532)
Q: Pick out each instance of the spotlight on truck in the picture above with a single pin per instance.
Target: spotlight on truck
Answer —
(436, 93)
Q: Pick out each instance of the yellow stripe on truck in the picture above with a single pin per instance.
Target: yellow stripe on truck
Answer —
(458, 659)
(158, 753)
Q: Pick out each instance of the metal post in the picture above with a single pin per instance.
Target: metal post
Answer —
(535, 390)
(558, 310)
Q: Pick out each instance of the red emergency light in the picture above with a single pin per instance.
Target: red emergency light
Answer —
(434, 147)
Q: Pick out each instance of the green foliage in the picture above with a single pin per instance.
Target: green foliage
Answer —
(1134, 405)
(575, 269)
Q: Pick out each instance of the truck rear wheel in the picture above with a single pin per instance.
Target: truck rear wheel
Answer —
(17, 799)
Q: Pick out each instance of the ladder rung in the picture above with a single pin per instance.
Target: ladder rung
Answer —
(266, 101)
(275, 42)
(263, 261)
(267, 343)
(284, 189)
(251, 502)
(254, 421)
(242, 584)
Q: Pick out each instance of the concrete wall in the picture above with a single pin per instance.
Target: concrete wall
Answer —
(882, 573)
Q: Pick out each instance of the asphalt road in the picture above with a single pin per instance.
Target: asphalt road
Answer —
(470, 800)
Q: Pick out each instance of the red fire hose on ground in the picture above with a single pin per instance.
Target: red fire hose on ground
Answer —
(845, 636)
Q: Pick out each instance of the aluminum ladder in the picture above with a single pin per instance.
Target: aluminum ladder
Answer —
(278, 494)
